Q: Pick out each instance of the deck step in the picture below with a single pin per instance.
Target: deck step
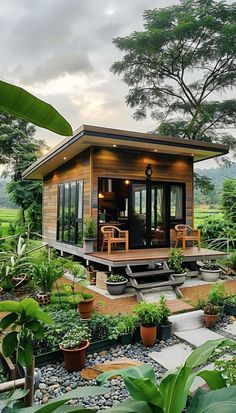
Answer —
(150, 274)
(148, 286)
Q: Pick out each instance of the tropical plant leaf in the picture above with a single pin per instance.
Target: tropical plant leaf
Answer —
(203, 352)
(42, 316)
(16, 395)
(213, 379)
(143, 389)
(25, 353)
(30, 306)
(20, 103)
(8, 320)
(217, 401)
(129, 406)
(9, 343)
(174, 389)
(85, 391)
(144, 371)
(13, 306)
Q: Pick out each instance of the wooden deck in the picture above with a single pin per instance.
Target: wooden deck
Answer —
(150, 255)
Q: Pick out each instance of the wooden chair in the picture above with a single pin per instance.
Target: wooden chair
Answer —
(186, 233)
(113, 235)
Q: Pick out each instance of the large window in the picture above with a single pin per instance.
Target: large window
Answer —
(70, 212)
(177, 207)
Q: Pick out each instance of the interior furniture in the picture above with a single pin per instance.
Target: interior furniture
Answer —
(186, 233)
(114, 235)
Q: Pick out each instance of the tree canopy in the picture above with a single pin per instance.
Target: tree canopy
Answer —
(177, 68)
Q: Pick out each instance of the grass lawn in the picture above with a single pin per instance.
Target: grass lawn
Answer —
(7, 216)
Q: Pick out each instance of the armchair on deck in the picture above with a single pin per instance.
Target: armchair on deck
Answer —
(114, 235)
(186, 233)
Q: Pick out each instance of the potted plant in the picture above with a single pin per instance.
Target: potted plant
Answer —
(45, 274)
(124, 329)
(74, 346)
(211, 314)
(175, 262)
(217, 295)
(210, 271)
(116, 284)
(230, 305)
(89, 234)
(84, 301)
(148, 316)
(164, 328)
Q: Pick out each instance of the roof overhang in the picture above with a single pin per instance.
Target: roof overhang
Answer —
(87, 136)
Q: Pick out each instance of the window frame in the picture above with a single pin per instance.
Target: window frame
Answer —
(78, 222)
(175, 221)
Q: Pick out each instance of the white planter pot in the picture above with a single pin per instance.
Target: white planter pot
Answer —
(210, 275)
(88, 246)
(180, 277)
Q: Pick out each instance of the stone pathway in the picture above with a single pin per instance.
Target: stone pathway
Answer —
(199, 336)
(172, 357)
(230, 328)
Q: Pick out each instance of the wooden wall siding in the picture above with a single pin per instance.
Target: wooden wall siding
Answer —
(126, 164)
(78, 168)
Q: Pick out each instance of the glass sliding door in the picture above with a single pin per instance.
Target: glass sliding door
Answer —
(158, 215)
(137, 215)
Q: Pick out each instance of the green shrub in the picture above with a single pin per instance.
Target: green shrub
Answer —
(148, 313)
(217, 293)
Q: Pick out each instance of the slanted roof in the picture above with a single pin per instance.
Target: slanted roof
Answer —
(88, 135)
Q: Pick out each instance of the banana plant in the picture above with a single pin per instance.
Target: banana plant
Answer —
(26, 319)
(171, 395)
(18, 102)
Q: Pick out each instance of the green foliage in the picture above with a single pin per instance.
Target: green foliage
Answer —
(126, 324)
(228, 199)
(233, 259)
(164, 311)
(148, 313)
(116, 278)
(210, 265)
(90, 228)
(217, 293)
(231, 299)
(159, 63)
(175, 260)
(217, 401)
(20, 103)
(45, 274)
(227, 368)
(211, 309)
(171, 394)
(27, 319)
(75, 337)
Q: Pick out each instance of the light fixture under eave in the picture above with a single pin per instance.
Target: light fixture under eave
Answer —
(65, 158)
(155, 150)
(100, 195)
(127, 182)
(114, 146)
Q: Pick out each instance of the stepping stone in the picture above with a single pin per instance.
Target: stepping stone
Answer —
(187, 321)
(198, 381)
(172, 357)
(121, 363)
(230, 328)
(199, 336)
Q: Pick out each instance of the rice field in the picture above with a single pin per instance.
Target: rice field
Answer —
(7, 216)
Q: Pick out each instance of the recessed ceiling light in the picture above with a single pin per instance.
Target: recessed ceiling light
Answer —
(192, 154)
(127, 182)
(155, 150)
(114, 146)
(65, 158)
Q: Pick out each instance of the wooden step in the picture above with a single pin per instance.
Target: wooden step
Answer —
(150, 274)
(157, 285)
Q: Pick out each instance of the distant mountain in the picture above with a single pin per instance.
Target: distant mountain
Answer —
(218, 175)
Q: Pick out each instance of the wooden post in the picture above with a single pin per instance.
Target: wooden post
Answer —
(127, 241)
(199, 239)
(29, 384)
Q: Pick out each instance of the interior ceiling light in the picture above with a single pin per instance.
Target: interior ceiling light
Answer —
(114, 146)
(155, 150)
(65, 158)
(127, 182)
(100, 195)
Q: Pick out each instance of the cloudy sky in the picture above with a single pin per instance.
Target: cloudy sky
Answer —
(61, 50)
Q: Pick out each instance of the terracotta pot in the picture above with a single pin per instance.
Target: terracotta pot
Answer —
(148, 335)
(43, 298)
(74, 359)
(211, 319)
(86, 308)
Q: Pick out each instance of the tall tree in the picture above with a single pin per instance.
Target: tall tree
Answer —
(18, 150)
(179, 64)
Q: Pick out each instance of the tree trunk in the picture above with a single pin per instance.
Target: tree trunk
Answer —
(29, 384)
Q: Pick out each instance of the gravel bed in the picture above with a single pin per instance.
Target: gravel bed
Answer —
(54, 380)
(223, 322)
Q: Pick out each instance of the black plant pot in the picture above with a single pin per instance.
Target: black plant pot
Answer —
(125, 339)
(164, 331)
(230, 309)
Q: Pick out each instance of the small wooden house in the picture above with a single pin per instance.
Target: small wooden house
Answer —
(140, 182)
